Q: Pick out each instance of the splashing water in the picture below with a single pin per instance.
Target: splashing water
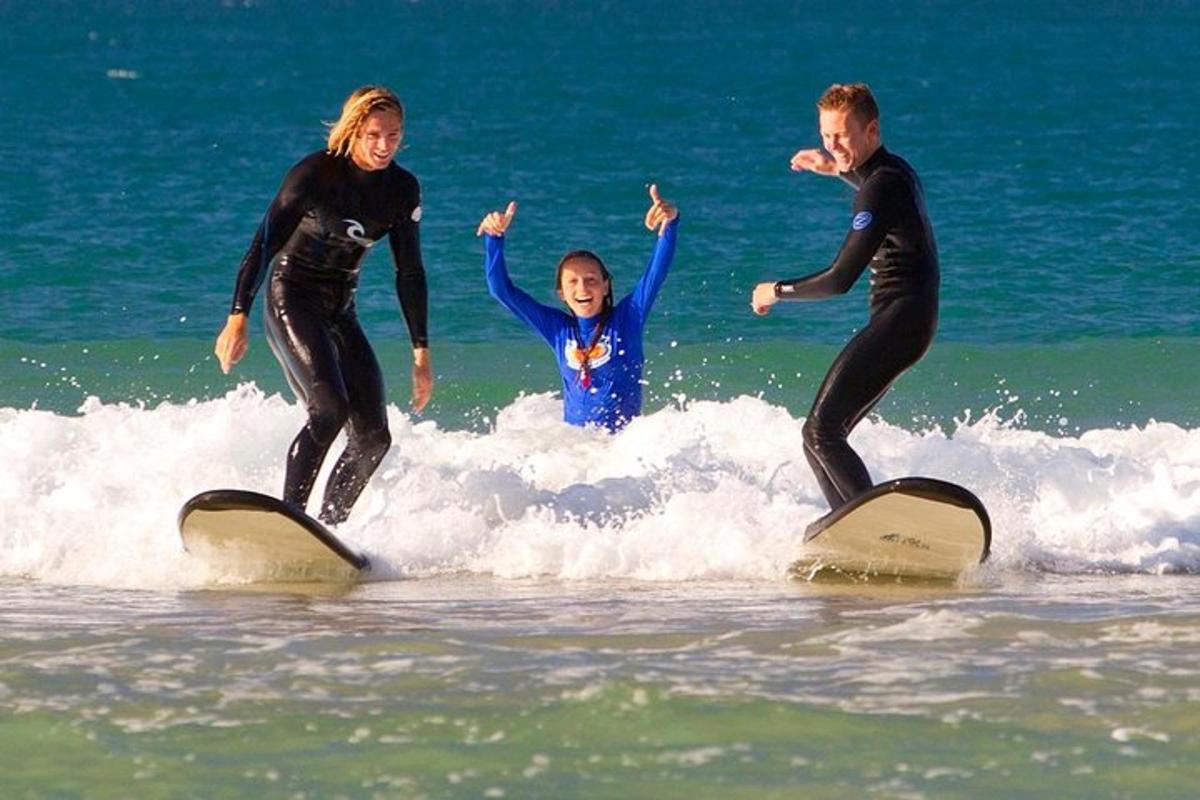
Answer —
(706, 491)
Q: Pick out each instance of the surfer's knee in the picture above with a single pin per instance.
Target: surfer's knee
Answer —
(374, 443)
(327, 413)
(818, 434)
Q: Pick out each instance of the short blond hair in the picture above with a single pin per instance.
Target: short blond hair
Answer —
(854, 96)
(361, 103)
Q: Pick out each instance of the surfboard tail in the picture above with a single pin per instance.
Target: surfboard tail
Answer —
(256, 534)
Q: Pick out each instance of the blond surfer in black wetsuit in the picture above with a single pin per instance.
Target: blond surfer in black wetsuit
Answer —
(333, 207)
(891, 233)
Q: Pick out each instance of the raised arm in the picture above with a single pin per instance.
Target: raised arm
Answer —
(817, 161)
(664, 217)
(544, 320)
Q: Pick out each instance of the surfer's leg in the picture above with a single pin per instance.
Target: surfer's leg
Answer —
(840, 472)
(861, 374)
(368, 438)
(301, 340)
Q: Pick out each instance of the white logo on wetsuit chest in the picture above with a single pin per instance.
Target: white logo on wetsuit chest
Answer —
(355, 231)
(861, 220)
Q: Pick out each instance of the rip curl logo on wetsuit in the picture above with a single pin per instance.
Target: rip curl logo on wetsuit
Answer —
(356, 232)
(862, 220)
(598, 356)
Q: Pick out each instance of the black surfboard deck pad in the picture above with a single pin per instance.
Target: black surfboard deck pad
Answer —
(258, 535)
(905, 528)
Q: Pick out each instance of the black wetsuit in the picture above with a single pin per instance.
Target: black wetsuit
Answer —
(891, 232)
(327, 214)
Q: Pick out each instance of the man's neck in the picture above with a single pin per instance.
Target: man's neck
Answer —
(874, 152)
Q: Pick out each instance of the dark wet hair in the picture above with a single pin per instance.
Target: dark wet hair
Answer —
(590, 256)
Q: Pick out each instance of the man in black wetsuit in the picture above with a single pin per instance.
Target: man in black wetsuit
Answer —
(333, 207)
(891, 233)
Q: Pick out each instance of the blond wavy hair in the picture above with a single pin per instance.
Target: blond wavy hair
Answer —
(854, 96)
(361, 103)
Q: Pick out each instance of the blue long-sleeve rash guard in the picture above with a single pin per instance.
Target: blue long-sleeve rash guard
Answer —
(614, 396)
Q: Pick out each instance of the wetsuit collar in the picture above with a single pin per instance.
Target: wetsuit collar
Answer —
(360, 175)
(871, 164)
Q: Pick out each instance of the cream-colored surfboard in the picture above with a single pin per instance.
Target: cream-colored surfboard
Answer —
(260, 535)
(910, 527)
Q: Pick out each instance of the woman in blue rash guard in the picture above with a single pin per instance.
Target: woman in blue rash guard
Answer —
(333, 207)
(598, 345)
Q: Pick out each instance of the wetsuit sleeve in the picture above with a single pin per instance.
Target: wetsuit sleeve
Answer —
(872, 212)
(648, 286)
(543, 319)
(411, 288)
(277, 226)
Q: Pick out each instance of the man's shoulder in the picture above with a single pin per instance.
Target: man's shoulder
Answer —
(405, 191)
(308, 174)
(894, 174)
(403, 179)
(316, 162)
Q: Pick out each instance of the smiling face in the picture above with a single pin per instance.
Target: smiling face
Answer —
(378, 140)
(583, 286)
(847, 138)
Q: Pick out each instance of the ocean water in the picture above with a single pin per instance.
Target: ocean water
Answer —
(556, 612)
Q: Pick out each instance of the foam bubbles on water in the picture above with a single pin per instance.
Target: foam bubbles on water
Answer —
(709, 491)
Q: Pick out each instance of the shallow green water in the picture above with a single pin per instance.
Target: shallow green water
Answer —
(460, 687)
(1060, 388)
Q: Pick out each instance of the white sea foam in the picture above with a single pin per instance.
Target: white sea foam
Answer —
(710, 491)
(927, 626)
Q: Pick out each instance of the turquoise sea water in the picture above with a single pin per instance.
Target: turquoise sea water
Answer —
(558, 613)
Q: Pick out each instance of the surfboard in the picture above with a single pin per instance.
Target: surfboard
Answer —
(905, 528)
(260, 536)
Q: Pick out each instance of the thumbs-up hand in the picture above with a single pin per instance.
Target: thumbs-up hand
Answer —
(495, 223)
(661, 212)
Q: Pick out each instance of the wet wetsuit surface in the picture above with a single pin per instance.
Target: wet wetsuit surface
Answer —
(609, 393)
(327, 215)
(890, 232)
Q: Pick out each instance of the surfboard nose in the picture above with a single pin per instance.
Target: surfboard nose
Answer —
(908, 527)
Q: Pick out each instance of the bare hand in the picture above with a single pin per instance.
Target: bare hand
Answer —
(422, 379)
(232, 342)
(495, 223)
(661, 212)
(814, 161)
(763, 298)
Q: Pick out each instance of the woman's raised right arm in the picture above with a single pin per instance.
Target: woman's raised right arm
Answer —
(544, 320)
